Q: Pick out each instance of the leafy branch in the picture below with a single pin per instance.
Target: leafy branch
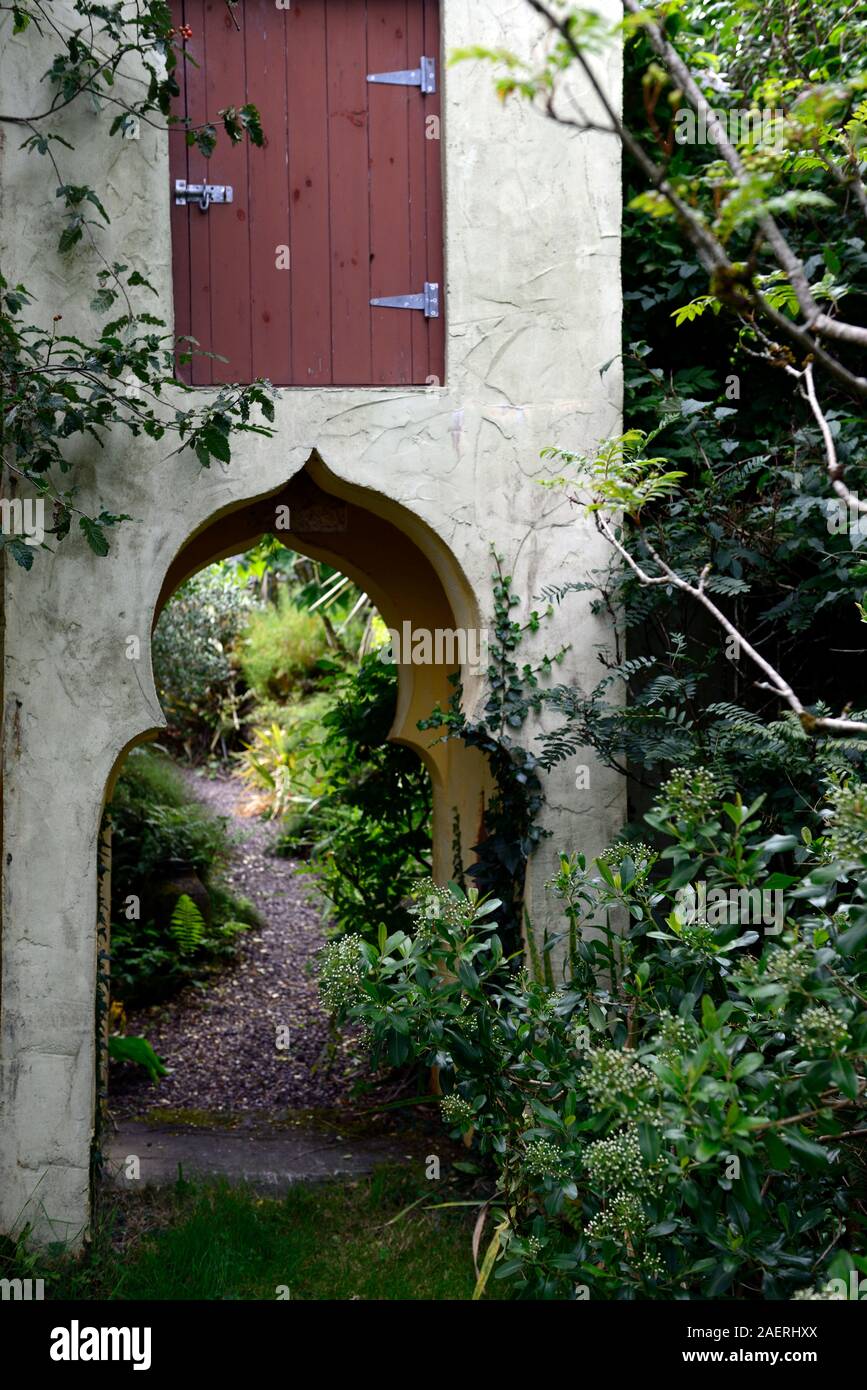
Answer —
(747, 197)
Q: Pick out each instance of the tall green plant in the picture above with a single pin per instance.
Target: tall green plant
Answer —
(370, 824)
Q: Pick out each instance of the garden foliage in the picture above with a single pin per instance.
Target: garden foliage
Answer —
(280, 649)
(712, 398)
(195, 667)
(369, 828)
(682, 1115)
(156, 820)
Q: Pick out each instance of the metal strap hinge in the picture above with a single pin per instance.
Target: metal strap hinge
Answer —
(424, 76)
(428, 300)
(202, 194)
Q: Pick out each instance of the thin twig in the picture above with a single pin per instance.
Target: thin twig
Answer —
(811, 723)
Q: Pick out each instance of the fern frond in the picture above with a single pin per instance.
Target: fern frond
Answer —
(555, 593)
(187, 925)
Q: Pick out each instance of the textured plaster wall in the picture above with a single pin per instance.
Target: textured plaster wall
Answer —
(533, 313)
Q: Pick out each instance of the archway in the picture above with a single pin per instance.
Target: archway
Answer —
(369, 540)
(410, 575)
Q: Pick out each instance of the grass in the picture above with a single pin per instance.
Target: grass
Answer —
(348, 1240)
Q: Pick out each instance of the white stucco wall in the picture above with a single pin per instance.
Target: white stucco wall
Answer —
(532, 313)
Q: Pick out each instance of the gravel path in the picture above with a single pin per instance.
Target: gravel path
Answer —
(220, 1043)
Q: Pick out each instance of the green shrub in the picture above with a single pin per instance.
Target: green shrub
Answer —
(302, 715)
(155, 819)
(370, 823)
(280, 649)
(755, 504)
(683, 1116)
(194, 668)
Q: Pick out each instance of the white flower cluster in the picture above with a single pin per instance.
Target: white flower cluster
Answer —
(820, 1029)
(641, 854)
(616, 1163)
(675, 1033)
(693, 792)
(650, 1265)
(790, 965)
(341, 972)
(542, 1159)
(623, 1218)
(698, 936)
(848, 821)
(456, 1111)
(434, 904)
(552, 1004)
(785, 965)
(615, 1080)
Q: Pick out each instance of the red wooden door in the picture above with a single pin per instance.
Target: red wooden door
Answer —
(348, 181)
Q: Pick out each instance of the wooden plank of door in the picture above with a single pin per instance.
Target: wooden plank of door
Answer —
(390, 268)
(435, 241)
(198, 232)
(348, 155)
(228, 228)
(270, 275)
(180, 221)
(418, 258)
(309, 201)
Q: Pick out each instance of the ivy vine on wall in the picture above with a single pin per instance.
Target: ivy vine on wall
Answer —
(511, 828)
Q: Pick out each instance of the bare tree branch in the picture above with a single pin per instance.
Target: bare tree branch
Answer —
(835, 468)
(776, 683)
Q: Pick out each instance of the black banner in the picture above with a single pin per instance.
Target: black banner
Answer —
(80, 1339)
